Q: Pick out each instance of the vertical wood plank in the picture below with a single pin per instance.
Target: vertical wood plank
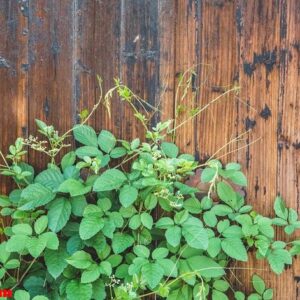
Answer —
(216, 126)
(288, 133)
(139, 58)
(107, 23)
(186, 58)
(13, 75)
(50, 66)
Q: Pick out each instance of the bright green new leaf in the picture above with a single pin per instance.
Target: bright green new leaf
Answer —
(258, 284)
(74, 187)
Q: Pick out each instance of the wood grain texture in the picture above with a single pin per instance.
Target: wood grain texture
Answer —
(50, 52)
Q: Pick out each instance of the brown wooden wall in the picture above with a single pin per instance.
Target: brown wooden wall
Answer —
(50, 51)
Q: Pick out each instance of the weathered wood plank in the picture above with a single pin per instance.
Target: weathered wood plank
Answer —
(139, 58)
(50, 66)
(13, 75)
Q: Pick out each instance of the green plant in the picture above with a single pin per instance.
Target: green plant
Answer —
(84, 228)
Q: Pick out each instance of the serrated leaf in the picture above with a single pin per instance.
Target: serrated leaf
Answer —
(55, 261)
(90, 226)
(80, 260)
(35, 246)
(22, 229)
(91, 274)
(79, 291)
(121, 242)
(41, 224)
(226, 193)
(258, 284)
(90, 151)
(86, 135)
(234, 248)
(50, 178)
(106, 141)
(152, 273)
(59, 214)
(173, 235)
(170, 149)
(194, 233)
(128, 194)
(109, 180)
(205, 266)
(74, 187)
(35, 195)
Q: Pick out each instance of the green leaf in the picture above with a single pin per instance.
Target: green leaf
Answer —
(40, 297)
(208, 174)
(50, 178)
(90, 151)
(12, 264)
(35, 195)
(141, 251)
(217, 295)
(78, 205)
(214, 246)
(99, 290)
(22, 229)
(106, 141)
(160, 253)
(238, 178)
(205, 266)
(79, 291)
(91, 274)
(118, 152)
(128, 194)
(258, 284)
(173, 235)
(16, 243)
(226, 193)
(59, 214)
(68, 160)
(80, 260)
(164, 223)
(4, 254)
(210, 218)
(121, 242)
(85, 135)
(221, 285)
(41, 224)
(74, 187)
(192, 205)
(234, 248)
(194, 233)
(239, 296)
(35, 246)
(50, 239)
(152, 273)
(280, 208)
(278, 258)
(268, 294)
(109, 180)
(90, 226)
(170, 149)
(56, 261)
(21, 295)
(147, 220)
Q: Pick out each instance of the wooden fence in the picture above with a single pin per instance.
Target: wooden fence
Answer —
(50, 51)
